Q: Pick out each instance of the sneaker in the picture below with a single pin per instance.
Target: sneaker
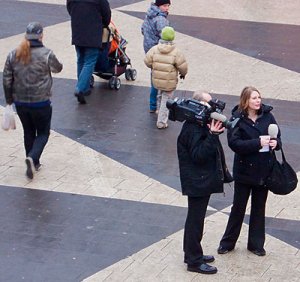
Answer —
(161, 125)
(152, 111)
(37, 167)
(30, 166)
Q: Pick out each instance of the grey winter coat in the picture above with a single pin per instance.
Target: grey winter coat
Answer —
(32, 82)
(152, 26)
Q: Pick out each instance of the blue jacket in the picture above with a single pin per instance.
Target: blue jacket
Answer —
(152, 26)
(251, 166)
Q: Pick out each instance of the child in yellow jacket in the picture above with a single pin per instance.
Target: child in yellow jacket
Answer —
(166, 62)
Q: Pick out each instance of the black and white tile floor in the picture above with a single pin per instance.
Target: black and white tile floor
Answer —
(106, 205)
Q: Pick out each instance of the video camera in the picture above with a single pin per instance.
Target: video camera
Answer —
(181, 109)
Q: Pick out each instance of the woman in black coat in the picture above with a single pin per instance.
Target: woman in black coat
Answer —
(202, 172)
(250, 169)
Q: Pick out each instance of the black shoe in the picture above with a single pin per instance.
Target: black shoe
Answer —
(223, 250)
(259, 253)
(87, 93)
(206, 259)
(30, 165)
(202, 268)
(80, 98)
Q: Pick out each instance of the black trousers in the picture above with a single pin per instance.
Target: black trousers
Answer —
(36, 126)
(193, 231)
(256, 235)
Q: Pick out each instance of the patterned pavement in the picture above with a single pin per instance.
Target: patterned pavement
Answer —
(106, 205)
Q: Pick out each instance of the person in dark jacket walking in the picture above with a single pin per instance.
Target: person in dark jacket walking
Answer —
(251, 167)
(88, 18)
(27, 83)
(203, 171)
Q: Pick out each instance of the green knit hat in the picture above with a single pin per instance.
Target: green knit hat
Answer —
(168, 33)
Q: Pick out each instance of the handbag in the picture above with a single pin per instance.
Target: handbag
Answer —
(282, 179)
(8, 121)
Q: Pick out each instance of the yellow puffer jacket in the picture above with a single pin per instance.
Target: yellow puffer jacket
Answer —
(166, 61)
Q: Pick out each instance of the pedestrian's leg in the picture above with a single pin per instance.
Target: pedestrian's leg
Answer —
(256, 236)
(236, 217)
(158, 99)
(89, 61)
(80, 59)
(153, 98)
(29, 129)
(162, 118)
(193, 231)
(42, 121)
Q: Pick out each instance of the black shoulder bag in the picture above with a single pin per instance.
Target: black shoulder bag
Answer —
(282, 179)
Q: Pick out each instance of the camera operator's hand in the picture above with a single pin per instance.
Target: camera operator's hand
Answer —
(216, 127)
(182, 76)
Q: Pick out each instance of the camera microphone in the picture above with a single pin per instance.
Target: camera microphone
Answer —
(226, 123)
(273, 130)
(218, 116)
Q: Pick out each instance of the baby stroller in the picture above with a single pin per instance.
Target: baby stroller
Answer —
(113, 61)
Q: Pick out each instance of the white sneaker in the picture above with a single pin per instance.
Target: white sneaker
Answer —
(161, 125)
(30, 166)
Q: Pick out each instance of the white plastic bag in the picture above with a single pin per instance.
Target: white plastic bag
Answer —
(8, 121)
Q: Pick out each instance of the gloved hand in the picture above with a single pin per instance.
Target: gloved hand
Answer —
(182, 76)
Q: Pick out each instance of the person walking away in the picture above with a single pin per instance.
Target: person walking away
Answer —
(250, 168)
(203, 171)
(27, 83)
(166, 62)
(155, 20)
(88, 18)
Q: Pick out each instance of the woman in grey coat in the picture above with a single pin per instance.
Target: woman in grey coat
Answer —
(27, 83)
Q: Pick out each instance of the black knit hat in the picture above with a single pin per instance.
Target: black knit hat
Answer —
(162, 2)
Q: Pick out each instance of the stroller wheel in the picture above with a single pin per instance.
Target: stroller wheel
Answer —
(133, 74)
(111, 82)
(117, 83)
(128, 74)
(114, 83)
(92, 82)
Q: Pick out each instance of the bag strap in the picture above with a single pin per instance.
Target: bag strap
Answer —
(282, 155)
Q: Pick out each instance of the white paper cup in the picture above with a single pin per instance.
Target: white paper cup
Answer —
(265, 148)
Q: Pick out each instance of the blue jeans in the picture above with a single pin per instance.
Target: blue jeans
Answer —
(86, 60)
(153, 96)
(36, 126)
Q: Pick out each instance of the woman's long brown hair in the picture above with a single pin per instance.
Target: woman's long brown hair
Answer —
(245, 97)
(23, 53)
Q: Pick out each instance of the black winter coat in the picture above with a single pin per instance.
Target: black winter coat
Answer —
(88, 17)
(201, 161)
(251, 166)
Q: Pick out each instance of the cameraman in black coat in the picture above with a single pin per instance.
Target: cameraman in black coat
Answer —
(202, 172)
(250, 168)
(88, 18)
